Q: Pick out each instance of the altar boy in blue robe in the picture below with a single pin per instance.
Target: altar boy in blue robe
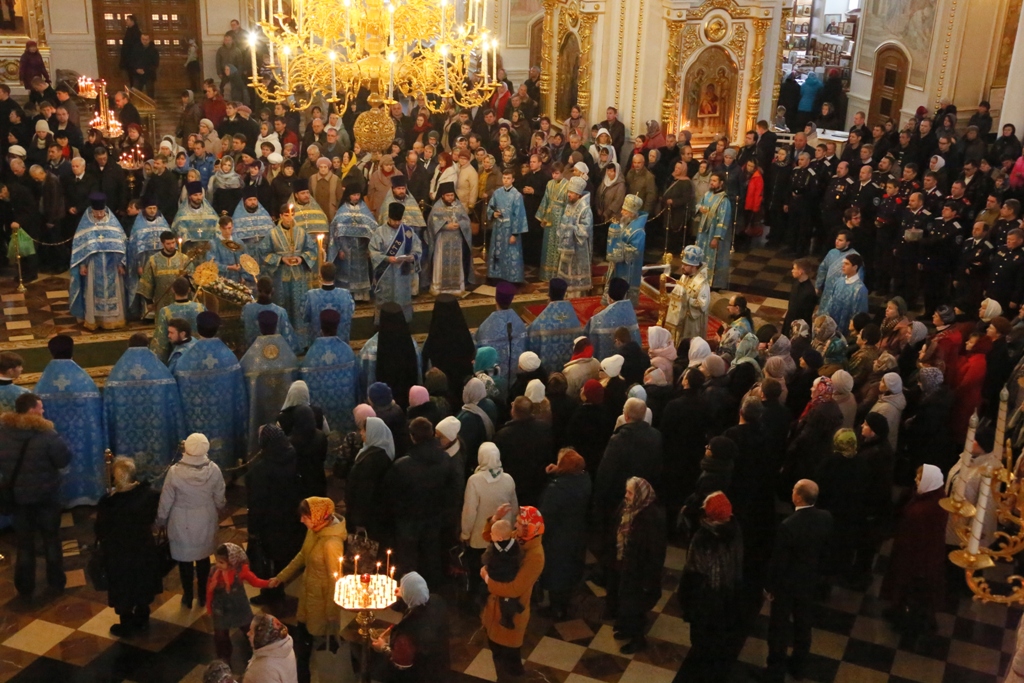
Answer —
(508, 220)
(144, 242)
(73, 403)
(331, 371)
(494, 332)
(269, 367)
(327, 297)
(601, 328)
(143, 409)
(213, 394)
(395, 253)
(551, 335)
(11, 365)
(264, 302)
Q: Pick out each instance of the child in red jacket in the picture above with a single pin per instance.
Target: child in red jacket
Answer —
(226, 600)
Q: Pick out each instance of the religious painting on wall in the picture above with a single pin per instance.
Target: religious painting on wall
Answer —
(568, 70)
(909, 23)
(520, 14)
(710, 93)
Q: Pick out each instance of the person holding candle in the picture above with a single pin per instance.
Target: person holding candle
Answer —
(416, 648)
(915, 582)
(318, 615)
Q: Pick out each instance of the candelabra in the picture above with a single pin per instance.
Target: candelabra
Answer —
(336, 48)
(132, 162)
(104, 121)
(363, 593)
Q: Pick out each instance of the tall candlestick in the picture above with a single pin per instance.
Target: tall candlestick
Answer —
(280, 11)
(977, 524)
(444, 57)
(391, 21)
(483, 58)
(391, 75)
(348, 20)
(334, 75)
(443, 4)
(378, 568)
(284, 65)
(252, 49)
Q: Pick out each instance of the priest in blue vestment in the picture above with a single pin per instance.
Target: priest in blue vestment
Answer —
(269, 367)
(179, 334)
(98, 260)
(413, 217)
(264, 302)
(196, 221)
(451, 244)
(182, 308)
(11, 366)
(289, 256)
(551, 335)
(848, 295)
(601, 327)
(251, 220)
(309, 215)
(327, 297)
(143, 243)
(626, 240)
(330, 370)
(143, 409)
(395, 253)
(73, 403)
(351, 229)
(714, 220)
(575, 239)
(213, 395)
(494, 332)
(508, 221)
(226, 252)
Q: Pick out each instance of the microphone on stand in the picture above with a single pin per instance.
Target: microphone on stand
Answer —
(508, 377)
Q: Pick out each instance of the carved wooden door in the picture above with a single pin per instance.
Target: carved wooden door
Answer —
(890, 80)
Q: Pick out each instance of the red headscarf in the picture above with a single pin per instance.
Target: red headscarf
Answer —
(529, 524)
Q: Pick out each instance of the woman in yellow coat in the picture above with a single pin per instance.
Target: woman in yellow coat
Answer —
(318, 614)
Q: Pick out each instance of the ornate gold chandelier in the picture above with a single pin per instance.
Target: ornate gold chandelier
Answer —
(334, 48)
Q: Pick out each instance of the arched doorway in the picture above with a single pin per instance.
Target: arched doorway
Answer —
(567, 88)
(890, 80)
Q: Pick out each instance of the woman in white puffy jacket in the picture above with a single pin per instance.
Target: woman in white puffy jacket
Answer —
(487, 488)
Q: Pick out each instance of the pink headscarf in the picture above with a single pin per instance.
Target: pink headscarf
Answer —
(361, 412)
(418, 396)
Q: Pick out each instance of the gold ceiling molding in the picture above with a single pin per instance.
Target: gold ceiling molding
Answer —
(622, 41)
(757, 69)
(945, 53)
(730, 6)
(570, 18)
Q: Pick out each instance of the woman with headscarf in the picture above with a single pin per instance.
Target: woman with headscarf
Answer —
(927, 433)
(591, 425)
(124, 537)
(273, 485)
(365, 496)
(505, 643)
(380, 183)
(746, 353)
(416, 648)
(660, 343)
(634, 566)
(311, 452)
(610, 194)
(420, 405)
(298, 395)
(540, 406)
(892, 326)
(890, 404)
(487, 369)
(913, 338)
(398, 363)
(31, 65)
(842, 394)
(698, 351)
(967, 384)
(915, 582)
(616, 388)
(318, 615)
(436, 384)
(655, 138)
(564, 504)
(282, 185)
(446, 172)
(488, 489)
(449, 345)
(828, 341)
(273, 655)
(225, 187)
(529, 369)
(478, 417)
(775, 368)
(843, 483)
(192, 495)
(799, 339)
(812, 435)
(999, 365)
(353, 441)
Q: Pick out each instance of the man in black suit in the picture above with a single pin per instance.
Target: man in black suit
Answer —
(766, 141)
(792, 580)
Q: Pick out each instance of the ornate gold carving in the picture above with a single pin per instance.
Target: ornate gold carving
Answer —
(787, 12)
(622, 42)
(945, 53)
(756, 70)
(1006, 44)
(547, 48)
(691, 41)
(374, 130)
(35, 16)
(571, 19)
(9, 70)
(716, 29)
(738, 44)
(670, 101)
(730, 6)
(636, 61)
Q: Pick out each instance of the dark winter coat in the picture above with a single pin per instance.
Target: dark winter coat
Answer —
(917, 566)
(563, 505)
(721, 404)
(878, 458)
(525, 447)
(588, 433)
(426, 629)
(638, 573)
(684, 428)
(394, 417)
(713, 572)
(275, 492)
(428, 410)
(310, 450)
(124, 524)
(928, 435)
(46, 454)
(812, 441)
(799, 543)
(633, 451)
(421, 486)
(366, 501)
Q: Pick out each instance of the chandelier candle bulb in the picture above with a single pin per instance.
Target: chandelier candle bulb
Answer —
(391, 21)
(348, 19)
(984, 495)
(252, 49)
(483, 58)
(334, 76)
(494, 58)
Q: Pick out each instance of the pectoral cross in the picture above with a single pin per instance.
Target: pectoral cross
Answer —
(330, 357)
(210, 362)
(138, 372)
(62, 382)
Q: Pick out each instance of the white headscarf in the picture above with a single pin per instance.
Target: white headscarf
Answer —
(488, 458)
(931, 479)
(612, 365)
(472, 394)
(658, 337)
(298, 395)
(414, 590)
(535, 391)
(377, 435)
(608, 182)
(893, 382)
(699, 350)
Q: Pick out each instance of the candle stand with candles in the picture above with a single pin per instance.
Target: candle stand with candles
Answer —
(364, 593)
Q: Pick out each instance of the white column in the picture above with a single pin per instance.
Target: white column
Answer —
(1012, 110)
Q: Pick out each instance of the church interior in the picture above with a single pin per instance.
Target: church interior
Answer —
(703, 68)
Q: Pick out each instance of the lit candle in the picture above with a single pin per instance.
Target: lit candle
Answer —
(391, 75)
(252, 49)
(392, 573)
(357, 565)
(984, 494)
(483, 12)
(391, 20)
(388, 567)
(378, 570)
(284, 65)
(281, 11)
(341, 566)
(179, 244)
(494, 58)
(334, 75)
(444, 57)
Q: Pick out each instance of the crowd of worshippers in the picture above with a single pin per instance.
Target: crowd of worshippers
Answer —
(576, 427)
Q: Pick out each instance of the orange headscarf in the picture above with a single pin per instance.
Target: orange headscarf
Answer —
(321, 511)
(529, 524)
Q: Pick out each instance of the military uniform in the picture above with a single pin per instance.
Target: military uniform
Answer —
(887, 224)
(1000, 229)
(834, 203)
(972, 267)
(1006, 276)
(803, 185)
(965, 208)
(933, 200)
(909, 187)
(937, 253)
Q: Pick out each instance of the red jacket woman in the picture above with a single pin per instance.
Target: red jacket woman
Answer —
(967, 384)
(755, 190)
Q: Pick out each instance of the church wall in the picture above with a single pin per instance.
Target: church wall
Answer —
(71, 35)
(215, 19)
